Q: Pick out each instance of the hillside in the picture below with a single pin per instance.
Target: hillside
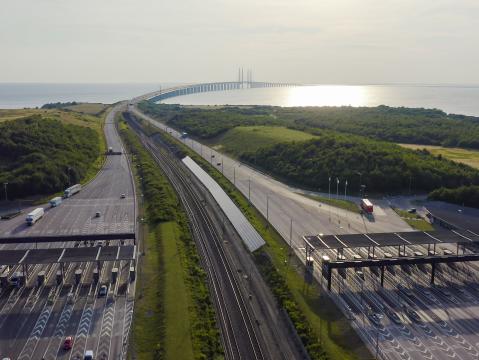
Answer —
(243, 139)
(42, 155)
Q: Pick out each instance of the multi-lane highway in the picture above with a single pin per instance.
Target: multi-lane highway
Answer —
(407, 318)
(76, 215)
(36, 318)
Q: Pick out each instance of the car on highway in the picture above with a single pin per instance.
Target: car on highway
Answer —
(97, 214)
(68, 343)
(88, 355)
(122, 196)
(393, 316)
(15, 280)
(103, 290)
(413, 315)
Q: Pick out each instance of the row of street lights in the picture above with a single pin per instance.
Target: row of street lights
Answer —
(361, 187)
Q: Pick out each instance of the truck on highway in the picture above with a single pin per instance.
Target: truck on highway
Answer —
(55, 201)
(34, 216)
(72, 190)
(366, 206)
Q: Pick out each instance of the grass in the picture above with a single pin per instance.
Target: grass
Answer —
(251, 138)
(342, 204)
(88, 108)
(464, 156)
(414, 220)
(323, 328)
(178, 343)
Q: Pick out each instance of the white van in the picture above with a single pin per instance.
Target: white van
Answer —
(34, 216)
(55, 201)
(88, 355)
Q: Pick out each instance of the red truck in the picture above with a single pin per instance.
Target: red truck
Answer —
(367, 206)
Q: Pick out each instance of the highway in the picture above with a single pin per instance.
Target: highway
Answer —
(413, 319)
(76, 215)
(36, 318)
(252, 327)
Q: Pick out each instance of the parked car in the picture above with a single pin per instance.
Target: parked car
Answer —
(122, 196)
(97, 214)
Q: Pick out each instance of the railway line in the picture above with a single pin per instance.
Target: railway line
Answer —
(242, 335)
(240, 338)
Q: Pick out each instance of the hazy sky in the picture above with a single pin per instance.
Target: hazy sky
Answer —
(311, 41)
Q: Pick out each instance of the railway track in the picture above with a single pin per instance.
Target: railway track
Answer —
(239, 328)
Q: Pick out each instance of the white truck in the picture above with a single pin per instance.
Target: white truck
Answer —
(72, 190)
(55, 201)
(34, 216)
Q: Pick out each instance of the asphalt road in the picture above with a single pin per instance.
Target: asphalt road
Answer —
(35, 319)
(76, 215)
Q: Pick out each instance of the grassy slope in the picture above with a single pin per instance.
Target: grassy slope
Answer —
(414, 220)
(88, 108)
(327, 322)
(465, 156)
(251, 138)
(342, 204)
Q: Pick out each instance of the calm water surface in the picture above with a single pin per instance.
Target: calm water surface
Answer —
(452, 99)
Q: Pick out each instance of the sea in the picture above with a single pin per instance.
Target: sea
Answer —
(456, 99)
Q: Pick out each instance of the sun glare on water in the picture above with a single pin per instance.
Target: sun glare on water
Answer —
(326, 95)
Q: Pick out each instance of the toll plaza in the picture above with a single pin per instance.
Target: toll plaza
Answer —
(465, 243)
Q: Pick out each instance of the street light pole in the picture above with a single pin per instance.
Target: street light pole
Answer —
(234, 175)
(5, 186)
(267, 208)
(329, 187)
(337, 188)
(249, 189)
(345, 186)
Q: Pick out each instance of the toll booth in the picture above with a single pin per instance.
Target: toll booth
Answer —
(22, 278)
(78, 274)
(41, 278)
(4, 281)
(132, 273)
(114, 275)
(59, 277)
(96, 275)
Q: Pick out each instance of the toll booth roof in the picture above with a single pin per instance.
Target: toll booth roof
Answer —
(67, 255)
(390, 239)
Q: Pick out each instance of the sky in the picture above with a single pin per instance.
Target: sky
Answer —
(306, 41)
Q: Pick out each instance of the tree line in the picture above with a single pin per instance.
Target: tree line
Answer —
(43, 156)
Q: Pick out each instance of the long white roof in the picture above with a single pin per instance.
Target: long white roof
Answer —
(248, 234)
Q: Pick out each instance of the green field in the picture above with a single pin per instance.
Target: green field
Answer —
(414, 220)
(88, 108)
(342, 204)
(465, 156)
(251, 138)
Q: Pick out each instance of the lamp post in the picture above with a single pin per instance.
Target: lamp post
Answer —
(329, 187)
(345, 186)
(360, 181)
(337, 188)
(5, 187)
